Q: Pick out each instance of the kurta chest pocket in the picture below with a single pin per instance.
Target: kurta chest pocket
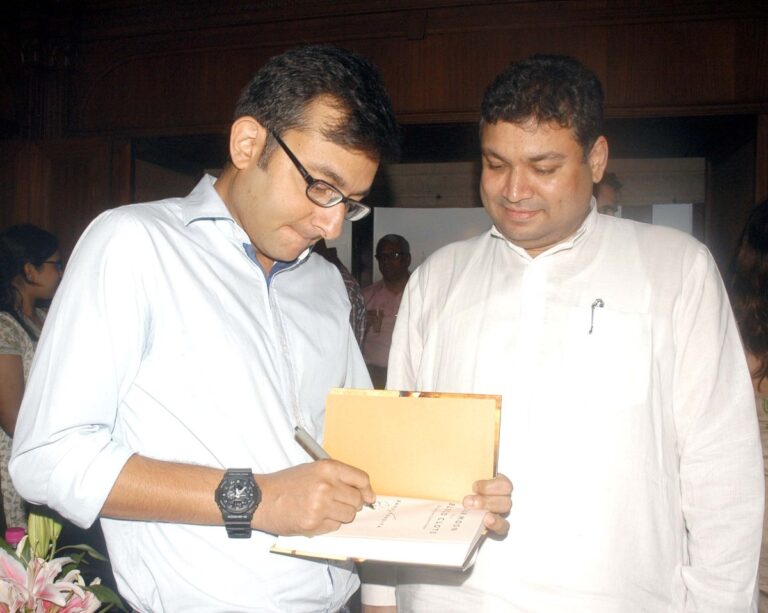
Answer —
(604, 358)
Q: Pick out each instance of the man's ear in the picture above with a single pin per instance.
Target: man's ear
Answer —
(598, 158)
(247, 139)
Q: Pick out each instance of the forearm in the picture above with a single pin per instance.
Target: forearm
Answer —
(154, 490)
(306, 499)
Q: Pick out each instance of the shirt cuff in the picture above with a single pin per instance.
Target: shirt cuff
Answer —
(375, 595)
(379, 581)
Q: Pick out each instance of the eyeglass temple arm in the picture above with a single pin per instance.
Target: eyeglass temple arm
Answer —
(299, 166)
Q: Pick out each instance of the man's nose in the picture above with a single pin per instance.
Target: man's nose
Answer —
(330, 220)
(517, 186)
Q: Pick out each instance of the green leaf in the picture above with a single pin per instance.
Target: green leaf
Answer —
(108, 597)
(86, 549)
(7, 547)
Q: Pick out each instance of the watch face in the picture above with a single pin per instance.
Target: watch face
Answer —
(238, 496)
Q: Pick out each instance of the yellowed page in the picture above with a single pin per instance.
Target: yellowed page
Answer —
(431, 445)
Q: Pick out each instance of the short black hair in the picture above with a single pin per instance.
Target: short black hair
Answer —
(278, 96)
(548, 88)
(400, 241)
(20, 245)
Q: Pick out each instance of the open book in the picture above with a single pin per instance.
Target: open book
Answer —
(406, 530)
(423, 452)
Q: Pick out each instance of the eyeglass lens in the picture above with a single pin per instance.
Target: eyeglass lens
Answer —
(324, 194)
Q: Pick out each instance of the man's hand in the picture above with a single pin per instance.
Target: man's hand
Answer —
(311, 499)
(494, 495)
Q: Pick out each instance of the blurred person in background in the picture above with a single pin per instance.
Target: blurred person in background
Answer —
(382, 300)
(357, 318)
(606, 193)
(749, 295)
(30, 271)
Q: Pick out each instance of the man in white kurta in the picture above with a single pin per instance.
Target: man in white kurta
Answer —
(628, 426)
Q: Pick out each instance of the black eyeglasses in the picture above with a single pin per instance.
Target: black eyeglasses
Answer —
(394, 255)
(57, 264)
(324, 194)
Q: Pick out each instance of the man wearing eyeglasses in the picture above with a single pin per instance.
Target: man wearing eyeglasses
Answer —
(606, 194)
(382, 300)
(189, 339)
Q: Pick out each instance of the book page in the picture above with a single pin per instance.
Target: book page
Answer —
(398, 529)
(412, 519)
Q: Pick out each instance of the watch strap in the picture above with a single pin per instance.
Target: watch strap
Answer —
(238, 528)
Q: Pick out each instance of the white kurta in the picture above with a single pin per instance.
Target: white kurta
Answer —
(633, 449)
(165, 339)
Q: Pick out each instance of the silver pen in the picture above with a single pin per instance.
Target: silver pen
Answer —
(313, 448)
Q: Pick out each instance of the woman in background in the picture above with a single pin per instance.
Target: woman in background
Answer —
(749, 295)
(30, 272)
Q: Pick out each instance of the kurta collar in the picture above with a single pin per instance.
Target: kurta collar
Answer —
(576, 238)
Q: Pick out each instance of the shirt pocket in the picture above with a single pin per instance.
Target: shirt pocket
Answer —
(596, 414)
(603, 355)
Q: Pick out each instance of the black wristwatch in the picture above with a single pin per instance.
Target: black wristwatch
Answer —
(237, 497)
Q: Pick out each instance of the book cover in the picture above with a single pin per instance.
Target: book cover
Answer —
(422, 452)
(416, 444)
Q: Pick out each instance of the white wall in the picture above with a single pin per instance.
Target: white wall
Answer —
(678, 216)
(660, 180)
(417, 188)
(426, 230)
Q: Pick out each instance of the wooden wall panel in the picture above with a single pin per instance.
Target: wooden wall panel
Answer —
(204, 69)
(751, 61)
(664, 66)
(761, 159)
(24, 191)
(63, 184)
(164, 92)
(10, 211)
(443, 76)
(440, 77)
(436, 60)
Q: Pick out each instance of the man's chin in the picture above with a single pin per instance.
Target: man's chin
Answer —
(516, 233)
(294, 255)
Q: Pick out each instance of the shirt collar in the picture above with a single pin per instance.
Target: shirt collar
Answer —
(576, 238)
(204, 202)
(278, 266)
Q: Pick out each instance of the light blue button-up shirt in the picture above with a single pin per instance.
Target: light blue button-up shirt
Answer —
(165, 339)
